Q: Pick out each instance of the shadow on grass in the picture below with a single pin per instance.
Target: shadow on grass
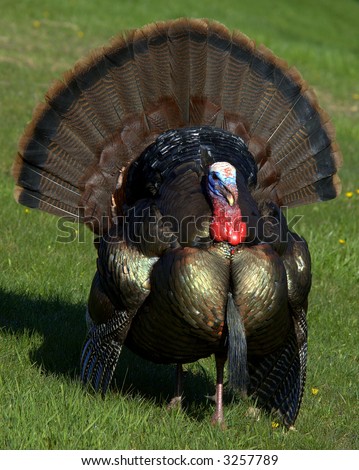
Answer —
(62, 326)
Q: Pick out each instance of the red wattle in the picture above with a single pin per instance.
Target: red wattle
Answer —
(228, 227)
(216, 231)
(235, 237)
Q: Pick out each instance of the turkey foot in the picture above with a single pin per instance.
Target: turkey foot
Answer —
(253, 412)
(176, 401)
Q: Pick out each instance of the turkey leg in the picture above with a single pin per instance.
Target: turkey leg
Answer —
(177, 399)
(217, 417)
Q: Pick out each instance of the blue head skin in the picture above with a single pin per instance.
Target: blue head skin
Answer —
(222, 184)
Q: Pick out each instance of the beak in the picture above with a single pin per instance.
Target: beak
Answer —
(230, 194)
(230, 199)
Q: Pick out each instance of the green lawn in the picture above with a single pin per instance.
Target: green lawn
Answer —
(44, 284)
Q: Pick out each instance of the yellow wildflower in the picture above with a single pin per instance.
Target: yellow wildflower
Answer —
(36, 24)
(349, 194)
(342, 241)
(315, 391)
(357, 191)
(80, 34)
(26, 210)
(275, 425)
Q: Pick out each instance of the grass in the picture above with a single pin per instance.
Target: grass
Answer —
(44, 284)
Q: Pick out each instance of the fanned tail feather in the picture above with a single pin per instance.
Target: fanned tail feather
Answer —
(168, 75)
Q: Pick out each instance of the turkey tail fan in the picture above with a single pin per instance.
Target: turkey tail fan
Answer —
(75, 152)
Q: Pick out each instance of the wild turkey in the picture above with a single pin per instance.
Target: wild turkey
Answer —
(178, 144)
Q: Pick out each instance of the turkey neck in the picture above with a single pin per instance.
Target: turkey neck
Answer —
(227, 224)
